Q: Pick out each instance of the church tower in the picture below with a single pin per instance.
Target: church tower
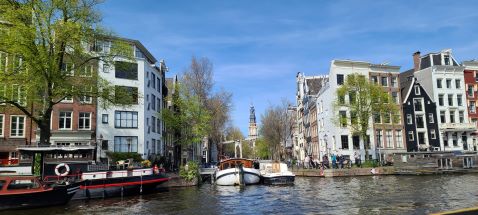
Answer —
(252, 124)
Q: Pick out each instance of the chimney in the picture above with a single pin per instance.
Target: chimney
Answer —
(416, 61)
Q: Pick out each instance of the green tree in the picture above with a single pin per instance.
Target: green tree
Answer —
(49, 52)
(262, 149)
(188, 120)
(274, 129)
(365, 99)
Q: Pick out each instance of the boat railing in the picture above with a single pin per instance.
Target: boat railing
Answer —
(98, 167)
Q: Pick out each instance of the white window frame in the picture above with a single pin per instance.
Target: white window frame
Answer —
(393, 81)
(67, 71)
(80, 118)
(4, 91)
(433, 134)
(417, 89)
(71, 120)
(381, 81)
(409, 119)
(104, 118)
(85, 73)
(2, 125)
(398, 138)
(15, 135)
(430, 118)
(389, 135)
(410, 134)
(3, 61)
(22, 98)
(86, 99)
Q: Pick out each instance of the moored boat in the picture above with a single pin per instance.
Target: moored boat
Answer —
(237, 171)
(276, 173)
(18, 192)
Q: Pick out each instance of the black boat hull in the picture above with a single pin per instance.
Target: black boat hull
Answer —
(279, 180)
(122, 186)
(59, 195)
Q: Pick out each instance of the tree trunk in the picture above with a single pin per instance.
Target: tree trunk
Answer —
(45, 133)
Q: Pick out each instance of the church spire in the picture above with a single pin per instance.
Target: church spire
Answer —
(252, 117)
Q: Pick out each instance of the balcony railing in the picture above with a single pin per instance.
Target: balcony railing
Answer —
(459, 126)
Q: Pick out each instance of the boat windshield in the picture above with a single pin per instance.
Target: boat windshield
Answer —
(21, 184)
(2, 182)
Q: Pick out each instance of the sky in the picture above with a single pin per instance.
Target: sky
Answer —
(258, 47)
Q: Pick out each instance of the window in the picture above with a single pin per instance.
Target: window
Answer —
(433, 134)
(158, 88)
(394, 81)
(418, 104)
(470, 91)
(345, 141)
(389, 138)
(452, 116)
(378, 132)
(440, 100)
(153, 121)
(352, 97)
(126, 119)
(106, 68)
(153, 102)
(459, 100)
(126, 144)
(376, 118)
(420, 122)
(158, 103)
(340, 79)
(104, 118)
(450, 100)
(398, 138)
(439, 83)
(353, 117)
(472, 107)
(126, 95)
(448, 83)
(455, 139)
(153, 79)
(23, 184)
(65, 120)
(84, 122)
(442, 117)
(446, 59)
(86, 98)
(343, 118)
(19, 94)
(386, 117)
(126, 70)
(411, 136)
(395, 97)
(457, 83)
(87, 71)
(374, 79)
(17, 126)
(67, 99)
(417, 89)
(3, 93)
(409, 119)
(384, 81)
(2, 122)
(461, 117)
(68, 69)
(341, 99)
(430, 118)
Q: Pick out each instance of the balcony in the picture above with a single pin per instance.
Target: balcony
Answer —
(458, 126)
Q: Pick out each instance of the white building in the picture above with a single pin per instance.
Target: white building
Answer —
(135, 127)
(441, 76)
(384, 136)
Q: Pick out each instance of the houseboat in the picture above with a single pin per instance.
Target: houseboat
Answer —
(97, 180)
(19, 192)
(276, 173)
(436, 162)
(237, 171)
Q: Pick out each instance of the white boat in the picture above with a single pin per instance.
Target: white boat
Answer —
(276, 173)
(237, 171)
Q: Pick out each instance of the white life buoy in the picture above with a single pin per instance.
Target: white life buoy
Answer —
(66, 171)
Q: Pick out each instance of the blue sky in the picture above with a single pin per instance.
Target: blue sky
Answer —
(258, 47)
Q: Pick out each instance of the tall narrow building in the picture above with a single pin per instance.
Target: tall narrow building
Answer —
(252, 125)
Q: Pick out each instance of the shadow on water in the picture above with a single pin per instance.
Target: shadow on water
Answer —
(347, 195)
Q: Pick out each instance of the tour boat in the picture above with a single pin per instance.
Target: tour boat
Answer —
(18, 192)
(237, 171)
(276, 173)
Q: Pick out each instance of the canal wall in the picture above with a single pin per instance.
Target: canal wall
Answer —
(344, 172)
(176, 181)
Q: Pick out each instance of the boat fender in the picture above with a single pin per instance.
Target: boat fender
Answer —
(67, 171)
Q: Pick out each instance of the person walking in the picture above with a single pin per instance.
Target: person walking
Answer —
(358, 162)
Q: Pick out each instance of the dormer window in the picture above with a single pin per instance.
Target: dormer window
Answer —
(446, 58)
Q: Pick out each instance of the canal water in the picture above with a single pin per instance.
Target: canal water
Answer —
(344, 195)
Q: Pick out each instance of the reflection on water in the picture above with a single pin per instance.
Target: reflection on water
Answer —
(355, 195)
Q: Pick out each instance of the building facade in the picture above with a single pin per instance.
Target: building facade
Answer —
(419, 113)
(471, 87)
(443, 78)
(135, 126)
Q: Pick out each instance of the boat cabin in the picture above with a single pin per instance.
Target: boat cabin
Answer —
(235, 162)
(434, 162)
(19, 184)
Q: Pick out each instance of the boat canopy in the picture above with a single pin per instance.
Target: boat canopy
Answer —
(55, 149)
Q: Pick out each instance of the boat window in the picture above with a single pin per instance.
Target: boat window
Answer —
(225, 166)
(23, 184)
(2, 182)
